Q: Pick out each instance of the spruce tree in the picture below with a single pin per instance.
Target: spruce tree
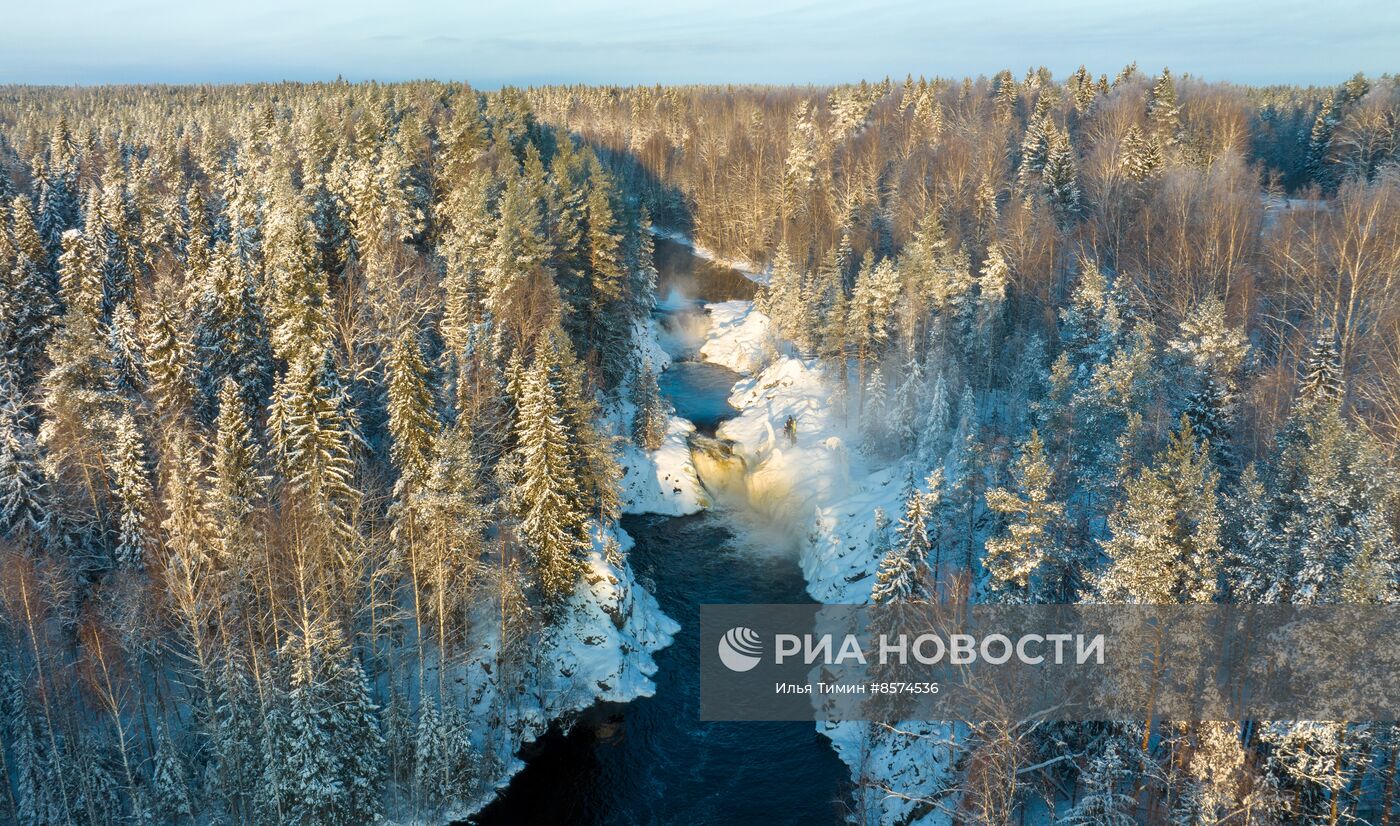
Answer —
(169, 360)
(313, 433)
(237, 486)
(128, 364)
(547, 493)
(27, 302)
(412, 418)
(1164, 546)
(1163, 114)
(905, 408)
(321, 740)
(1035, 144)
(170, 791)
(913, 539)
(1322, 381)
(135, 543)
(650, 420)
(22, 485)
(1107, 799)
(230, 335)
(874, 416)
(1060, 179)
(1030, 536)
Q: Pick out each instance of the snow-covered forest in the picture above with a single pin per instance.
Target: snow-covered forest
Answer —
(320, 405)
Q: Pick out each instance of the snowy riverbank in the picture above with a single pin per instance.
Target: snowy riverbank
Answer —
(823, 490)
(601, 652)
(602, 649)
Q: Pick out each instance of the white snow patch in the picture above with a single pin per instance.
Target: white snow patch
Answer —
(740, 337)
(662, 481)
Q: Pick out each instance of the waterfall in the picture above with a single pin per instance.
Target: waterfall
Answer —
(683, 325)
(722, 472)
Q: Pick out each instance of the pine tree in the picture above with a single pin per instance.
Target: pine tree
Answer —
(1328, 485)
(452, 521)
(1091, 326)
(650, 420)
(592, 452)
(609, 334)
(1030, 537)
(992, 285)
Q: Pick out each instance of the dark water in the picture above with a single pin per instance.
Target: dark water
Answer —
(652, 760)
(700, 392)
(679, 270)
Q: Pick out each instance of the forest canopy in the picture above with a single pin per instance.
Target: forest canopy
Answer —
(312, 396)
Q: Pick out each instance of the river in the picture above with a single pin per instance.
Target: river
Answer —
(652, 760)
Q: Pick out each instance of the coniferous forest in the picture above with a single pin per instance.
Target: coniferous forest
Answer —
(321, 406)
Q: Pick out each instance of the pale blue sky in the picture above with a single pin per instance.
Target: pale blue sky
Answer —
(677, 41)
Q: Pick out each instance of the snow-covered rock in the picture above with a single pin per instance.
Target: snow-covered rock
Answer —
(662, 481)
(740, 337)
(600, 651)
